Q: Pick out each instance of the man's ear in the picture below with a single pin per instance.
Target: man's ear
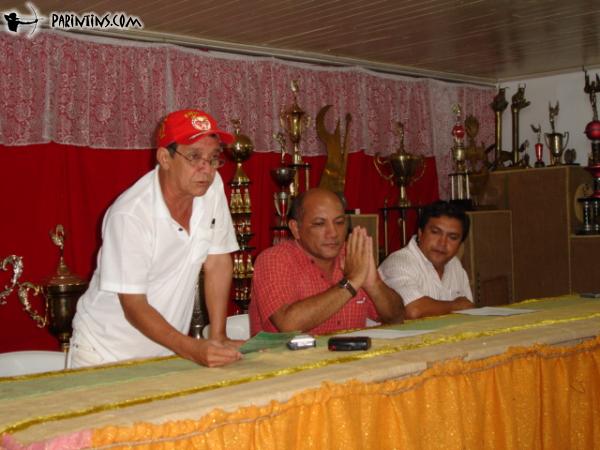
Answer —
(163, 157)
(419, 233)
(293, 226)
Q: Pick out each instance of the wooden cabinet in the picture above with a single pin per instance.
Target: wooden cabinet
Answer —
(548, 258)
(488, 257)
(585, 263)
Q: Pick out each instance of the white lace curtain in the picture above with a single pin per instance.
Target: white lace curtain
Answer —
(108, 93)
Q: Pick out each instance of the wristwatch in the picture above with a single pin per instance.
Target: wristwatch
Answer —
(344, 283)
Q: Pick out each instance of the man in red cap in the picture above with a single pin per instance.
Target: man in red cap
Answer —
(156, 237)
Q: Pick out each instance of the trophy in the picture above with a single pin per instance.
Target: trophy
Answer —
(518, 103)
(459, 180)
(283, 176)
(591, 204)
(405, 167)
(592, 129)
(554, 140)
(476, 159)
(498, 105)
(294, 122)
(240, 151)
(539, 147)
(61, 293)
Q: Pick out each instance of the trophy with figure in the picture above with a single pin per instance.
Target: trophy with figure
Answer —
(556, 142)
(591, 204)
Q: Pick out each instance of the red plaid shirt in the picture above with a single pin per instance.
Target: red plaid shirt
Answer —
(284, 274)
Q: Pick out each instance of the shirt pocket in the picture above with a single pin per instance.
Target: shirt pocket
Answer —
(201, 243)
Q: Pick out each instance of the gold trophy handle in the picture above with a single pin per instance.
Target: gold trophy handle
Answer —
(24, 288)
(546, 140)
(17, 266)
(377, 162)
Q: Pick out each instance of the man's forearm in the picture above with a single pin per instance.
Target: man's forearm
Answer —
(388, 302)
(427, 306)
(218, 270)
(310, 312)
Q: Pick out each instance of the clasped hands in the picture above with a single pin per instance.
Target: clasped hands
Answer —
(359, 262)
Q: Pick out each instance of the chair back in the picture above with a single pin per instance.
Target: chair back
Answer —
(237, 327)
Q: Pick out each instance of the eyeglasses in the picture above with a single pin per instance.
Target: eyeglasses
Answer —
(195, 160)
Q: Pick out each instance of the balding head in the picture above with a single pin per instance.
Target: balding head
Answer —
(308, 198)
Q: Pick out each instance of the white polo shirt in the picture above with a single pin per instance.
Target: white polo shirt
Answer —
(145, 251)
(412, 275)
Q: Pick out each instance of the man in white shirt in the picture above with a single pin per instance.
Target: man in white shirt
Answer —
(156, 237)
(426, 273)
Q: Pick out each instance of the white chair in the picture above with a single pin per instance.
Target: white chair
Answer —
(237, 327)
(31, 361)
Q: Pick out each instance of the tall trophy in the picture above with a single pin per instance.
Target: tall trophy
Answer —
(294, 121)
(556, 142)
(591, 203)
(61, 293)
(518, 102)
(284, 178)
(498, 105)
(459, 180)
(403, 168)
(241, 209)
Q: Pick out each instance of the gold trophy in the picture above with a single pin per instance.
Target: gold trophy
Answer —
(284, 177)
(405, 167)
(294, 122)
(240, 151)
(554, 140)
(61, 292)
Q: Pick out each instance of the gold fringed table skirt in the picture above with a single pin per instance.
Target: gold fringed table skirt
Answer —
(529, 381)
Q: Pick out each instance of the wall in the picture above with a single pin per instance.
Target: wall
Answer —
(574, 114)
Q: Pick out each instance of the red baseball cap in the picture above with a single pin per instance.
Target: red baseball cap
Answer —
(188, 126)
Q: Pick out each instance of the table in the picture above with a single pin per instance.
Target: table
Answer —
(523, 381)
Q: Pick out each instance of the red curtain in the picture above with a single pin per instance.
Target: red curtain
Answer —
(44, 185)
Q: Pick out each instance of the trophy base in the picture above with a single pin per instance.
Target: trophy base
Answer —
(539, 164)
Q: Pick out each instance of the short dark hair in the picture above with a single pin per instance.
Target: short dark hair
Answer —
(297, 208)
(172, 148)
(448, 209)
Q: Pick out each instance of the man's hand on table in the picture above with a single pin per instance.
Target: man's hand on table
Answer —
(212, 352)
(461, 303)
